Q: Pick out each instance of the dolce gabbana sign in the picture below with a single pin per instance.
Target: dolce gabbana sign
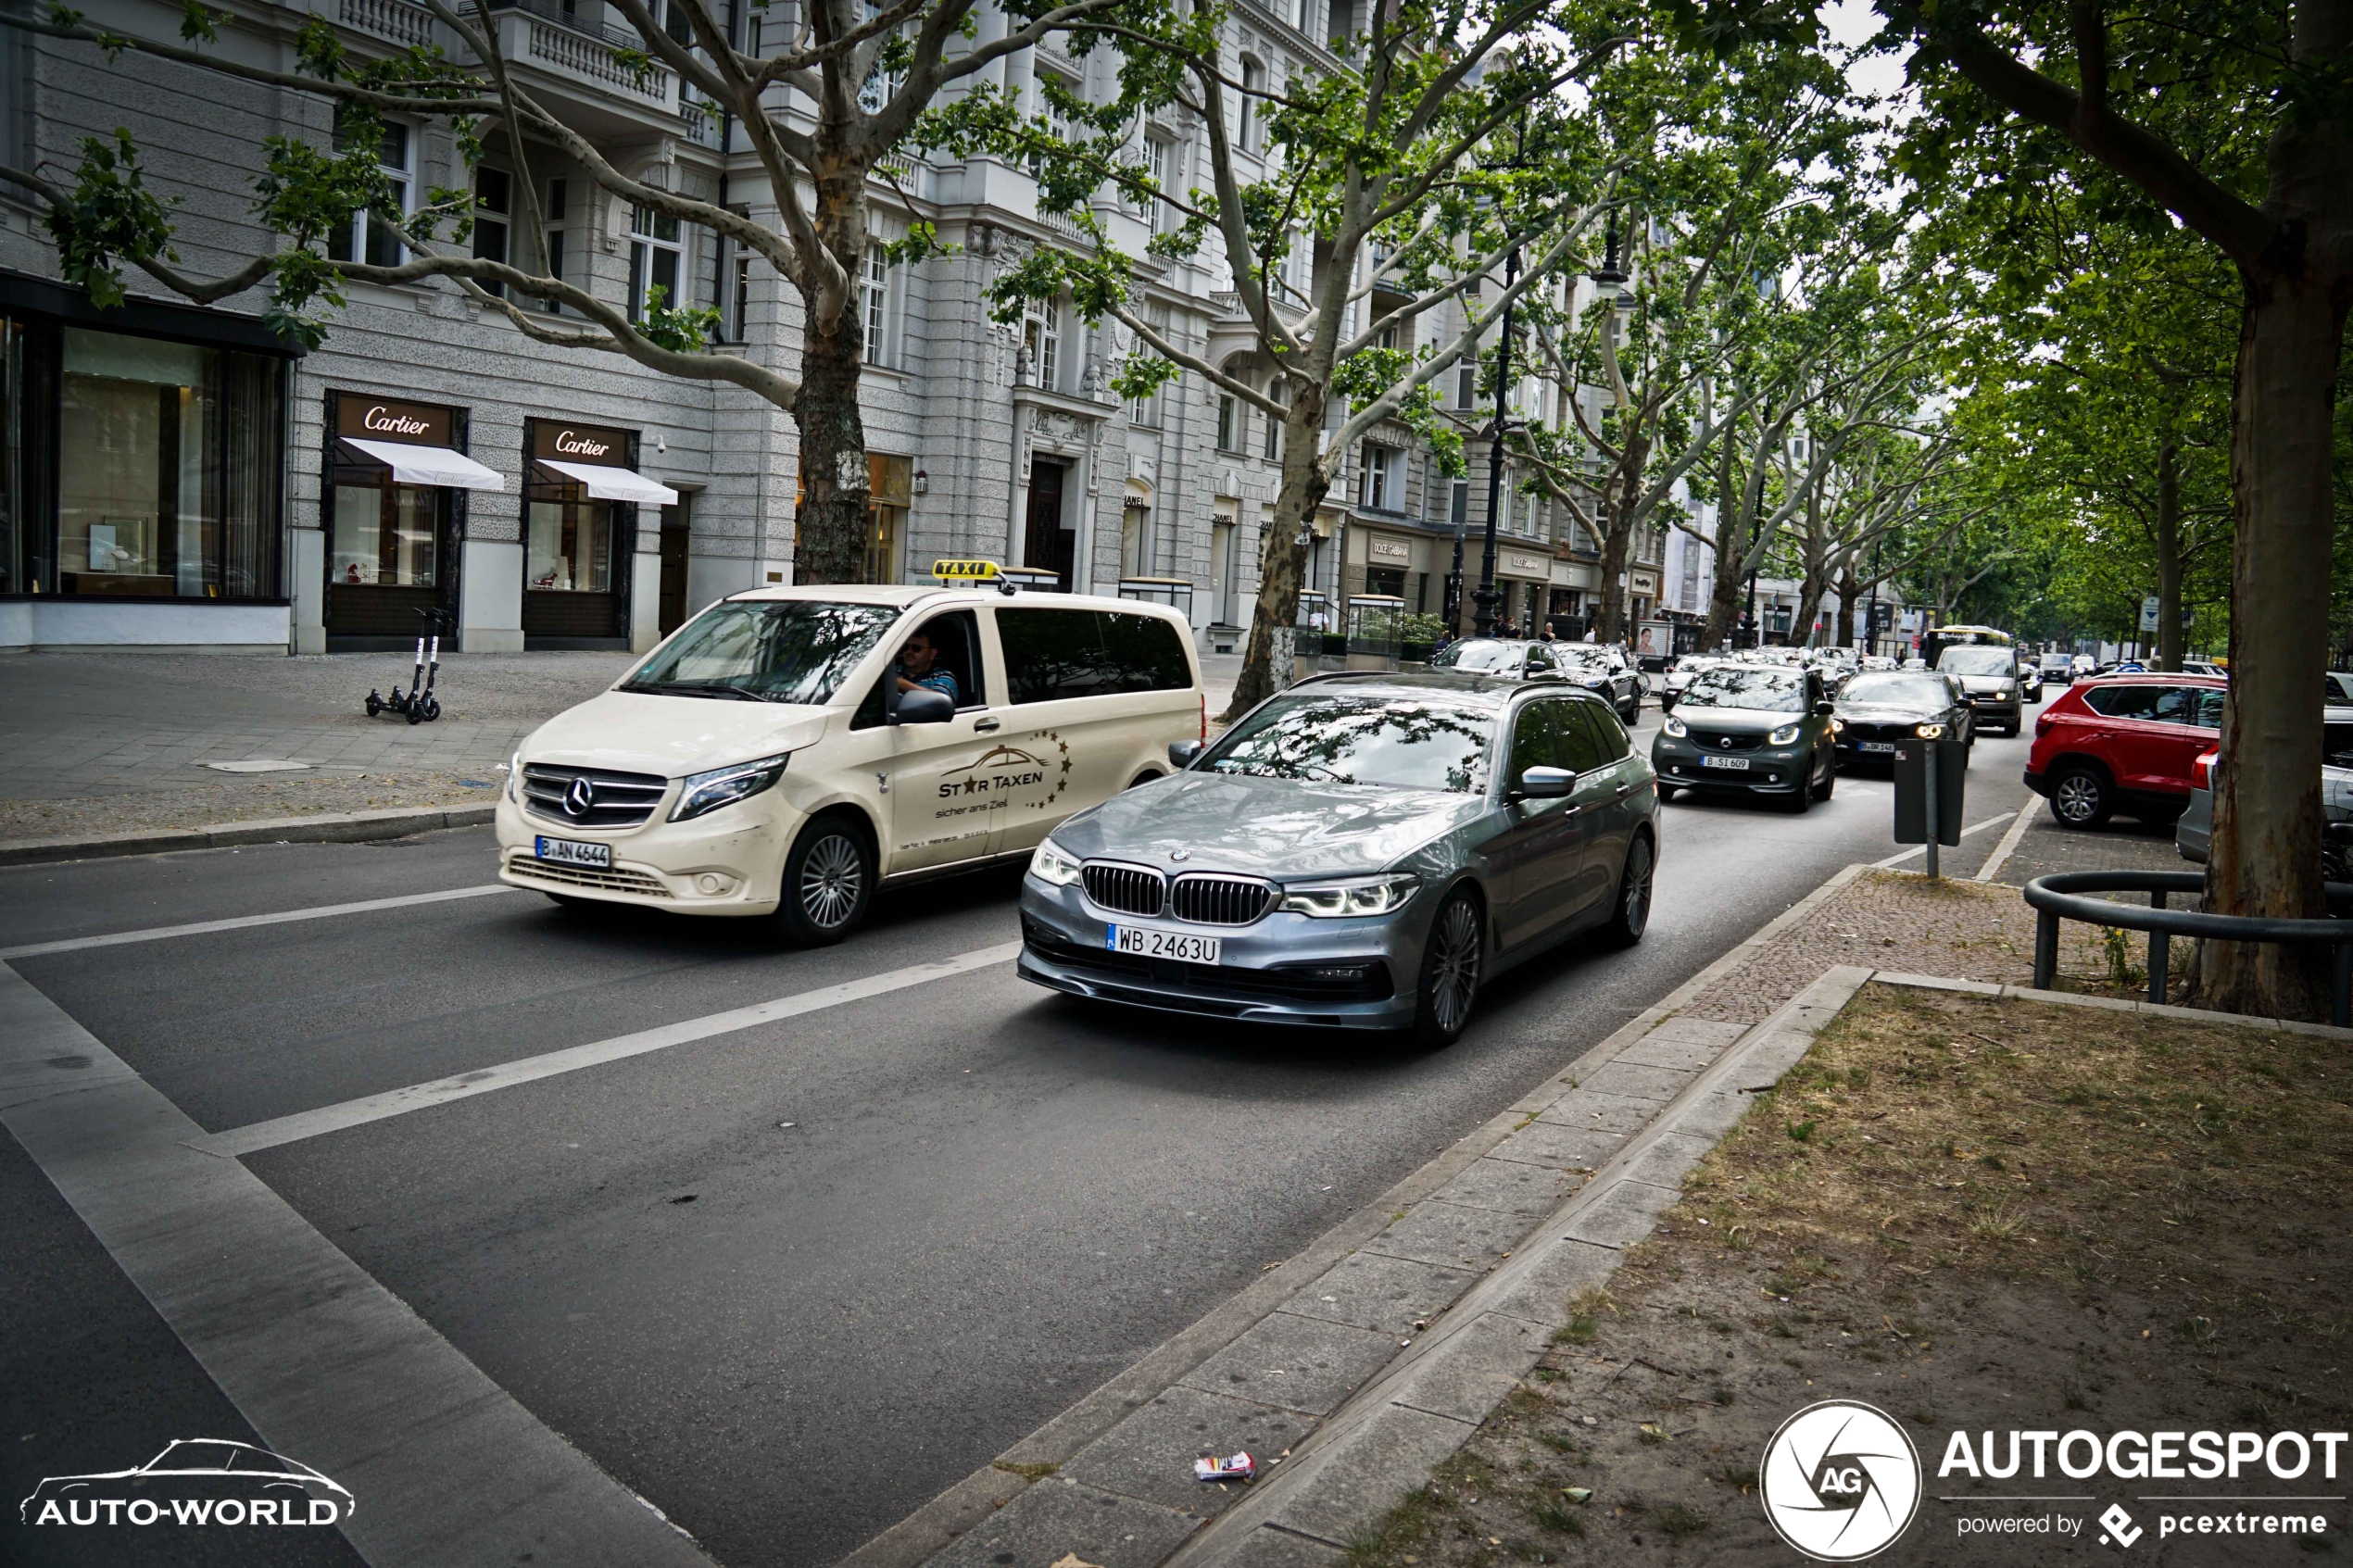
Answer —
(369, 417)
(567, 442)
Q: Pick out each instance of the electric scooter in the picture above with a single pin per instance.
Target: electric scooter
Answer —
(418, 704)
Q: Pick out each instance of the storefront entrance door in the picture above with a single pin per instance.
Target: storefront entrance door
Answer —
(1048, 543)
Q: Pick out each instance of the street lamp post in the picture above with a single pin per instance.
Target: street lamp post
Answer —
(1485, 619)
(1608, 279)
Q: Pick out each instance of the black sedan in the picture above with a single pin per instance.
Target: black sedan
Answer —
(1876, 710)
(1762, 730)
(1603, 670)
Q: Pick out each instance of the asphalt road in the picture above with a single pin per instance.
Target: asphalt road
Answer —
(789, 1282)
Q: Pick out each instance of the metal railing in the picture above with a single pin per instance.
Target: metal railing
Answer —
(396, 20)
(2058, 897)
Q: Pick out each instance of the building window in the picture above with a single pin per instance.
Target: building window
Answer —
(1226, 438)
(1384, 487)
(384, 536)
(654, 262)
(552, 242)
(1458, 505)
(1158, 159)
(493, 197)
(739, 301)
(169, 469)
(1389, 581)
(1246, 118)
(569, 543)
(1041, 337)
(1466, 384)
(875, 288)
(1273, 451)
(890, 490)
(373, 239)
(1057, 120)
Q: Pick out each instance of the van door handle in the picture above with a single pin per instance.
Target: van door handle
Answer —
(982, 726)
(1624, 790)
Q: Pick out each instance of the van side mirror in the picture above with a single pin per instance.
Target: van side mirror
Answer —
(924, 705)
(1546, 783)
(1181, 753)
(1824, 710)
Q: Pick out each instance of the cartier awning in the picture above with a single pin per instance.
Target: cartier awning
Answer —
(614, 484)
(428, 465)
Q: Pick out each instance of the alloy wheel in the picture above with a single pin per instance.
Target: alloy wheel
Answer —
(831, 881)
(1634, 895)
(1454, 966)
(2077, 798)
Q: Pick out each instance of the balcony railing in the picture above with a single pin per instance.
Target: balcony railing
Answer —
(556, 13)
(531, 38)
(397, 19)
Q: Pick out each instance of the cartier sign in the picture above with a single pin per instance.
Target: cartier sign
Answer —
(570, 443)
(368, 418)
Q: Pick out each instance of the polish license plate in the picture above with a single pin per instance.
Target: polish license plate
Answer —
(1144, 942)
(1738, 764)
(571, 852)
(1875, 745)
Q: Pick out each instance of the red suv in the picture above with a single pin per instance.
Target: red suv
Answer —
(2124, 743)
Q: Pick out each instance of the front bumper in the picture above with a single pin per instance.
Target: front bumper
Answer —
(728, 862)
(1772, 770)
(1355, 974)
(2006, 710)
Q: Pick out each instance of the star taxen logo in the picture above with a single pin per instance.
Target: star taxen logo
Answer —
(2118, 1524)
(1841, 1481)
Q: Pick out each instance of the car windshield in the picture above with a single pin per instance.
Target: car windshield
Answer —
(1896, 691)
(1477, 653)
(1403, 743)
(766, 650)
(1750, 686)
(1977, 661)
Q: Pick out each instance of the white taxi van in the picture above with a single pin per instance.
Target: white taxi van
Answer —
(765, 760)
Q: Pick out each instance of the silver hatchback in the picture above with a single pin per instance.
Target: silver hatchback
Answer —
(1362, 851)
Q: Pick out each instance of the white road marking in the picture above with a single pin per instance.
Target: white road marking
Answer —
(2001, 855)
(1898, 859)
(326, 1363)
(198, 928)
(240, 1141)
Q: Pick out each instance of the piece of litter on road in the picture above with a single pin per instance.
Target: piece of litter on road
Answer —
(1578, 1493)
(685, 1198)
(1072, 1559)
(787, 1123)
(1590, 1421)
(259, 765)
(1239, 1467)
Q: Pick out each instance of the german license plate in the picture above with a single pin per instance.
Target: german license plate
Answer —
(571, 852)
(1875, 745)
(1144, 942)
(1738, 764)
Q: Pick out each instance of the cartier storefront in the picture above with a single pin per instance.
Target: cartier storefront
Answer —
(397, 480)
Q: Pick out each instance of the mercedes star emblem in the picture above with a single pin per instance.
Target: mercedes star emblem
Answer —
(580, 799)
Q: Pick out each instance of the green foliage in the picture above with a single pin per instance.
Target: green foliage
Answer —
(682, 329)
(109, 218)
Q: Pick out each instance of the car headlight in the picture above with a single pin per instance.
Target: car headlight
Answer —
(1838, 726)
(1929, 732)
(1356, 896)
(514, 777)
(1786, 736)
(1052, 866)
(1674, 727)
(725, 787)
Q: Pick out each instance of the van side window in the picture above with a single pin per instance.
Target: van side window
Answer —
(1052, 654)
(957, 636)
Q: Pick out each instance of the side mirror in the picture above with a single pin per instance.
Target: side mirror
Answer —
(924, 705)
(1546, 783)
(1824, 710)
(1181, 753)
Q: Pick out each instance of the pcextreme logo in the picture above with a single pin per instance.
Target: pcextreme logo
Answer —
(1841, 1481)
(195, 1481)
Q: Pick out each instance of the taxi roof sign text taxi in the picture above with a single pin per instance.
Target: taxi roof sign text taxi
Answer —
(965, 571)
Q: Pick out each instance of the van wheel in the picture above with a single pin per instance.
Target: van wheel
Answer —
(1448, 985)
(2081, 799)
(829, 880)
(1147, 776)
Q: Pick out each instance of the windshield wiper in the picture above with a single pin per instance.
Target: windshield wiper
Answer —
(690, 688)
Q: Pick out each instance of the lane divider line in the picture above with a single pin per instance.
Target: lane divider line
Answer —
(2000, 857)
(238, 1142)
(1898, 859)
(242, 922)
(450, 1470)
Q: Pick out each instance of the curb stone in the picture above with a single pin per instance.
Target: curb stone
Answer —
(331, 827)
(1359, 1267)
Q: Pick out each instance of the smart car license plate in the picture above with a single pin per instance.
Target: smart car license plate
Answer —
(571, 852)
(1875, 745)
(1738, 764)
(1145, 942)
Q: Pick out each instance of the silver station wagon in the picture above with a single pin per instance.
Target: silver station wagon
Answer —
(1362, 851)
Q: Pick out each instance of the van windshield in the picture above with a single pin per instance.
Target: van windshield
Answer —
(766, 650)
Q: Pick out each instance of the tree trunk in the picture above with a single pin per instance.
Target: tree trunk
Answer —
(1282, 559)
(1609, 624)
(1850, 597)
(2266, 853)
(1731, 544)
(2168, 546)
(832, 522)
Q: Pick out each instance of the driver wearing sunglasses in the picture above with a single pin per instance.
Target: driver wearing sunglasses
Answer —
(919, 668)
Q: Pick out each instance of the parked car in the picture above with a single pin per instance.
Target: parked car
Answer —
(1680, 674)
(2202, 667)
(1750, 730)
(1877, 662)
(2340, 687)
(1988, 677)
(2083, 664)
(1360, 851)
(1605, 671)
(1876, 711)
(2123, 743)
(765, 760)
(2030, 683)
(2194, 833)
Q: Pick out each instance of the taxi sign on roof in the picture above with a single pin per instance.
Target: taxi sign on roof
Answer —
(963, 570)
